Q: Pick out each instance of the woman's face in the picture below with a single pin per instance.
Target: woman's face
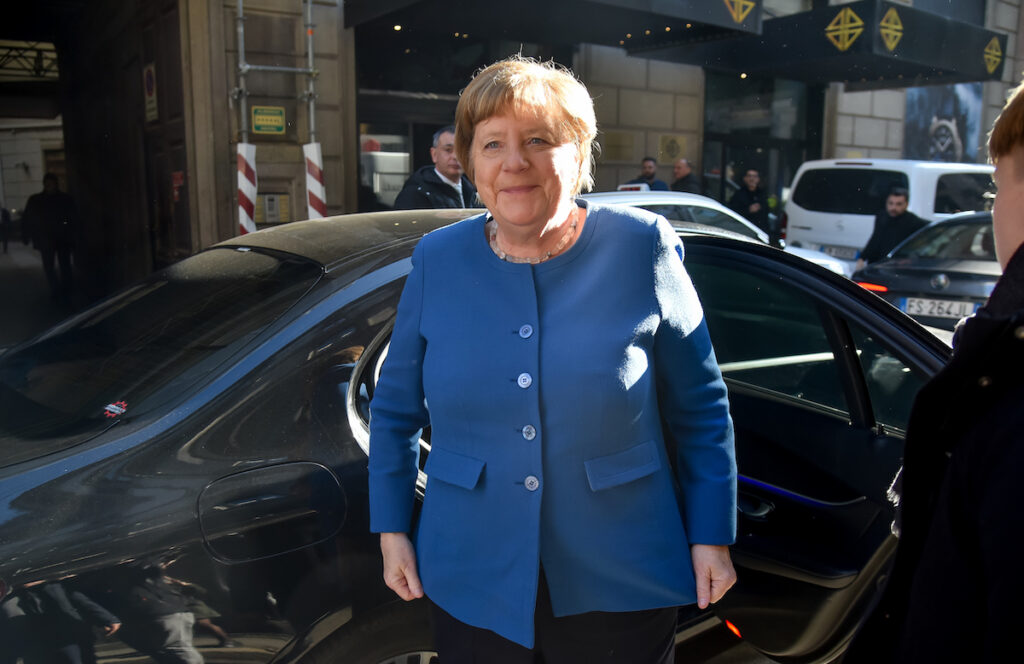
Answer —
(524, 175)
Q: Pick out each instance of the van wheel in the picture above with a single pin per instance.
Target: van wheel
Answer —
(399, 633)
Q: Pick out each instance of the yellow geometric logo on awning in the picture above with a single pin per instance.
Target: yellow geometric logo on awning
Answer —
(891, 28)
(844, 29)
(993, 55)
(739, 9)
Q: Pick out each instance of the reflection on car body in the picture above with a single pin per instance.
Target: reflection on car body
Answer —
(239, 461)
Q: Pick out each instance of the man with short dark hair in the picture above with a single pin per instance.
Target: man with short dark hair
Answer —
(751, 200)
(442, 185)
(649, 175)
(685, 180)
(892, 226)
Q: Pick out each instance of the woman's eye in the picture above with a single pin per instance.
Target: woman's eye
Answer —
(491, 146)
(537, 140)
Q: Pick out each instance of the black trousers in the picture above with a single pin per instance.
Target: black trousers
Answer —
(629, 637)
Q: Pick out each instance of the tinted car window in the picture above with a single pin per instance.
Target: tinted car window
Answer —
(846, 190)
(788, 351)
(670, 212)
(719, 219)
(961, 241)
(959, 192)
(892, 385)
(151, 340)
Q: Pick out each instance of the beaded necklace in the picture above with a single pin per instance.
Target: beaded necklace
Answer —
(492, 234)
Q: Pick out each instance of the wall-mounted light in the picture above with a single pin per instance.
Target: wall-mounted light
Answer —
(743, 75)
(398, 28)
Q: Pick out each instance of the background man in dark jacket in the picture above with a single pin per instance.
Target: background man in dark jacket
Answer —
(50, 222)
(685, 180)
(442, 185)
(751, 200)
(649, 175)
(955, 589)
(892, 226)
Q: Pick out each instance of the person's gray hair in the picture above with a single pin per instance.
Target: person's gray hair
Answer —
(447, 129)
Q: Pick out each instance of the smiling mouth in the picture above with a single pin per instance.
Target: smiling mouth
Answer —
(522, 189)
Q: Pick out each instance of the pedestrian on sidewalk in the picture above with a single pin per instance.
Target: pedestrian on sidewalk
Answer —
(51, 223)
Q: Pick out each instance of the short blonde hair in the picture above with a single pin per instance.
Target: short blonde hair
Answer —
(524, 86)
(1008, 130)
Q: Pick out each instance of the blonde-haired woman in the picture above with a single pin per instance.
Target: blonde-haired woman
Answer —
(554, 347)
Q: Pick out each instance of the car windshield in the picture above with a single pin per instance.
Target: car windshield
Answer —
(960, 241)
(141, 348)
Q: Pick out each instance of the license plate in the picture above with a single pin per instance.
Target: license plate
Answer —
(845, 253)
(918, 306)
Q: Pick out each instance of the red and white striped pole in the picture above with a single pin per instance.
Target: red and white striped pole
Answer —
(246, 188)
(316, 197)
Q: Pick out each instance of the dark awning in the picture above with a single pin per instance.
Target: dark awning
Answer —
(868, 44)
(610, 22)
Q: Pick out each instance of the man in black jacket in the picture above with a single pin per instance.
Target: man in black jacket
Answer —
(50, 220)
(751, 201)
(685, 180)
(955, 589)
(892, 226)
(442, 185)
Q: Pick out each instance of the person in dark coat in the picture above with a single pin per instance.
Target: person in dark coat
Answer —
(954, 594)
(56, 625)
(751, 201)
(892, 226)
(685, 180)
(51, 223)
(442, 185)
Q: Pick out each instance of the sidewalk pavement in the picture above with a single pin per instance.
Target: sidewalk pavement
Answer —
(25, 305)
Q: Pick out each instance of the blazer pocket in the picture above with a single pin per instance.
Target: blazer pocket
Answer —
(622, 467)
(453, 468)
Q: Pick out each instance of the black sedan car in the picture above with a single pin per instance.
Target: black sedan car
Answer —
(941, 273)
(191, 454)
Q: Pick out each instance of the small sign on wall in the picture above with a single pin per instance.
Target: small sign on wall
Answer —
(268, 120)
(671, 147)
(149, 90)
(273, 209)
(618, 146)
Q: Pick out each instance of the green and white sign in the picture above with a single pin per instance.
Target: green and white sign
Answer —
(268, 120)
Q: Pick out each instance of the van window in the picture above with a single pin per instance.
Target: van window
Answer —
(961, 192)
(846, 190)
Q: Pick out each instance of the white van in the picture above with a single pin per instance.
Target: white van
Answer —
(833, 202)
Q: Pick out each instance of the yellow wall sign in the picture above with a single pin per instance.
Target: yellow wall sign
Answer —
(738, 9)
(891, 29)
(844, 29)
(993, 55)
(268, 119)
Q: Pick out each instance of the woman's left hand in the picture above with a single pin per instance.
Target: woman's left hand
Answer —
(713, 569)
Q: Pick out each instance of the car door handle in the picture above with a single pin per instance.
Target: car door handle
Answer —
(753, 508)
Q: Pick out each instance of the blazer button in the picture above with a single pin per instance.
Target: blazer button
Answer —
(529, 432)
(532, 483)
(525, 380)
(526, 331)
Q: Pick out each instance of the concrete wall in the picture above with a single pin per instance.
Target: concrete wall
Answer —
(644, 107)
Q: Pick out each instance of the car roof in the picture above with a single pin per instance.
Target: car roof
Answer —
(662, 197)
(331, 240)
(897, 165)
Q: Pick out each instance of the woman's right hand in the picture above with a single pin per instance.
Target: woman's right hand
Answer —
(400, 566)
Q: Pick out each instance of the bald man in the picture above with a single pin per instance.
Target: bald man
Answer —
(685, 180)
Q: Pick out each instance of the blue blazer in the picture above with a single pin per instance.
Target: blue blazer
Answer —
(545, 387)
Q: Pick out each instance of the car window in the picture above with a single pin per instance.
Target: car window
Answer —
(961, 192)
(846, 190)
(719, 219)
(768, 335)
(892, 385)
(146, 344)
(960, 241)
(670, 212)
